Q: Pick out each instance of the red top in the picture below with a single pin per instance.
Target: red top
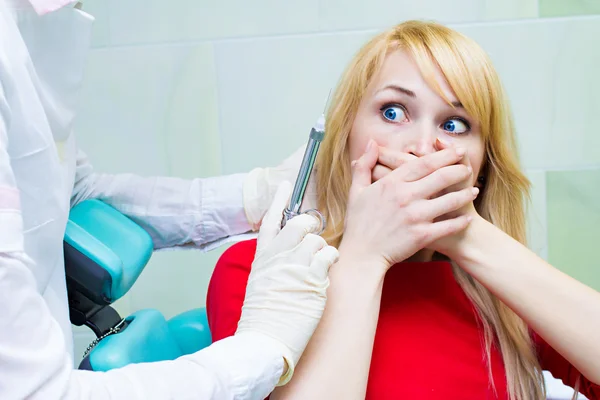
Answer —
(428, 343)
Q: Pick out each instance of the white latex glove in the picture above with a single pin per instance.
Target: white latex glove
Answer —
(287, 286)
(261, 184)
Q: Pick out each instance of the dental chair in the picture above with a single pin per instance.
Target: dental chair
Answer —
(105, 252)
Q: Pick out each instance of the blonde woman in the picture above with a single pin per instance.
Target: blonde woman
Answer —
(434, 296)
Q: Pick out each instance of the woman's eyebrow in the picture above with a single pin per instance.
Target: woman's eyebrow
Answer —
(397, 88)
(410, 93)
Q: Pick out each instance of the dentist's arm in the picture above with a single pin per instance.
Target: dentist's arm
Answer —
(34, 363)
(195, 212)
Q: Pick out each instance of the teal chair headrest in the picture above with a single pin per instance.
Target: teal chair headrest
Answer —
(105, 252)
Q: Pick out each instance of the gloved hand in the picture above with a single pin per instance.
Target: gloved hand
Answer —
(261, 184)
(286, 291)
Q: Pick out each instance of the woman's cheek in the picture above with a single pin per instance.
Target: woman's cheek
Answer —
(358, 144)
(364, 129)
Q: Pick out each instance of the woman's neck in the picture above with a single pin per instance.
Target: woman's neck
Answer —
(424, 255)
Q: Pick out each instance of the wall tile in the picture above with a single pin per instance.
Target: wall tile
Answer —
(574, 223)
(359, 14)
(560, 8)
(155, 21)
(542, 64)
(271, 92)
(510, 9)
(153, 113)
(191, 126)
(175, 282)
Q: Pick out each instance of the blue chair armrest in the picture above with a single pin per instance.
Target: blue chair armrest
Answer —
(146, 338)
(149, 337)
(190, 330)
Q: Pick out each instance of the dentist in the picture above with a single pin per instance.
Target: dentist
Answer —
(43, 44)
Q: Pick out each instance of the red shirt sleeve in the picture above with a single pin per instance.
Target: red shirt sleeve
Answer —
(227, 289)
(560, 368)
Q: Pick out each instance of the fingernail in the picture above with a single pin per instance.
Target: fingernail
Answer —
(353, 163)
(469, 218)
(369, 146)
(460, 151)
(475, 191)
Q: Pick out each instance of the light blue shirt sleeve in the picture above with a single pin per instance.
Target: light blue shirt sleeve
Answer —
(200, 213)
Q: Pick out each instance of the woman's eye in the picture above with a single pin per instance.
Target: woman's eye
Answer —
(394, 113)
(456, 126)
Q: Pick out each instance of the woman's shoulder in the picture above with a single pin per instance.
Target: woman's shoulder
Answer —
(227, 289)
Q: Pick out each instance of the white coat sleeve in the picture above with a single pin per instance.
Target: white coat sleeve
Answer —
(34, 363)
(176, 212)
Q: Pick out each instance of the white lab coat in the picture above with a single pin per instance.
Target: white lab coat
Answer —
(41, 176)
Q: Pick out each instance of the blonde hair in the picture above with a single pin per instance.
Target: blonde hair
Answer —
(475, 82)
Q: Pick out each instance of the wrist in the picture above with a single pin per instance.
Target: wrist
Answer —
(474, 238)
(355, 248)
(364, 270)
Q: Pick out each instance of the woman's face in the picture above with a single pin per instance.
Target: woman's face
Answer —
(401, 112)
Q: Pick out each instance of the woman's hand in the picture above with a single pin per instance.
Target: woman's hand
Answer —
(393, 218)
(390, 160)
(468, 209)
(451, 244)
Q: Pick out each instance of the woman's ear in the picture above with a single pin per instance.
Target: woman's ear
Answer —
(480, 182)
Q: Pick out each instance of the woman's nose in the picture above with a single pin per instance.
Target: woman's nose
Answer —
(422, 141)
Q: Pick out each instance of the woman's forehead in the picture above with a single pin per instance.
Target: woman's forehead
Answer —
(399, 69)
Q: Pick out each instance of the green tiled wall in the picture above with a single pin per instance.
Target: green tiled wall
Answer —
(561, 8)
(573, 207)
(573, 196)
